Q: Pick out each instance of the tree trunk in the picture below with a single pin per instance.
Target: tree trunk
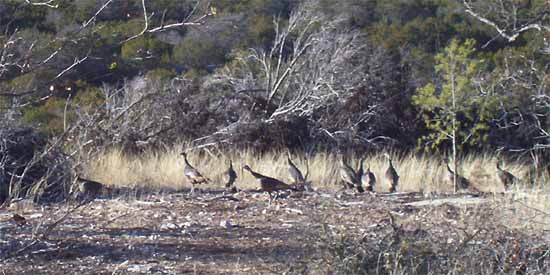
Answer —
(454, 130)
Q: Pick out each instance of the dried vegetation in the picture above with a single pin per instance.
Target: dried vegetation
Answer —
(308, 233)
(157, 227)
(417, 173)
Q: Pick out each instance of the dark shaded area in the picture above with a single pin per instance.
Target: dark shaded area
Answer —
(23, 165)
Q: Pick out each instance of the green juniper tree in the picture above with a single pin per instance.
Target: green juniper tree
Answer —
(456, 109)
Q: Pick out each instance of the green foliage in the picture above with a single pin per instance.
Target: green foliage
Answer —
(261, 30)
(426, 24)
(411, 31)
(456, 104)
(160, 73)
(115, 31)
(271, 7)
(14, 15)
(51, 116)
(195, 74)
(22, 82)
(47, 117)
(143, 48)
(199, 52)
(88, 98)
(84, 9)
(30, 81)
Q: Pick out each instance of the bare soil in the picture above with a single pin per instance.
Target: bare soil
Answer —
(209, 233)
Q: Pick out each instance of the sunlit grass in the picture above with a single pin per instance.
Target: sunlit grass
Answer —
(164, 169)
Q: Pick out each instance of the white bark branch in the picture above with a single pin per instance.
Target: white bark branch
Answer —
(511, 33)
(186, 22)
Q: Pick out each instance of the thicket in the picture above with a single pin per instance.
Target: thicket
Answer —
(358, 74)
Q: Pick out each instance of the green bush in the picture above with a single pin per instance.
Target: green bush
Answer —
(199, 52)
(160, 73)
(56, 112)
(47, 117)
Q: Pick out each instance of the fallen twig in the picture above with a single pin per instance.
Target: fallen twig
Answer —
(222, 197)
(46, 232)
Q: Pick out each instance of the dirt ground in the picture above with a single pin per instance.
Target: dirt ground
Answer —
(211, 233)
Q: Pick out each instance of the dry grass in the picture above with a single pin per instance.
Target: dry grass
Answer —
(165, 170)
(176, 232)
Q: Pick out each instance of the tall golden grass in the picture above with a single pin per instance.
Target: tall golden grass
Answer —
(165, 169)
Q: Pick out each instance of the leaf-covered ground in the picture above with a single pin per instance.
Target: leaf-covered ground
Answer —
(209, 233)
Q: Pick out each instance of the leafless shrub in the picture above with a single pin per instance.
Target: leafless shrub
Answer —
(522, 88)
(470, 246)
(32, 166)
(318, 72)
(131, 117)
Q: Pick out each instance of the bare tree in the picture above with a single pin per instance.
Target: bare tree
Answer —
(511, 18)
(521, 77)
(312, 64)
(304, 68)
(522, 86)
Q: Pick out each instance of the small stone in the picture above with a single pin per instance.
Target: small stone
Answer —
(168, 226)
(186, 224)
(227, 224)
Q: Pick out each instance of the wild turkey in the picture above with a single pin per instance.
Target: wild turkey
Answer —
(229, 177)
(349, 177)
(19, 220)
(391, 175)
(461, 182)
(268, 184)
(89, 189)
(369, 180)
(506, 178)
(193, 174)
(295, 175)
(360, 170)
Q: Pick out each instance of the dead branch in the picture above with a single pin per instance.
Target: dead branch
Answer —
(47, 231)
(187, 21)
(222, 197)
(469, 237)
(44, 3)
(511, 30)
